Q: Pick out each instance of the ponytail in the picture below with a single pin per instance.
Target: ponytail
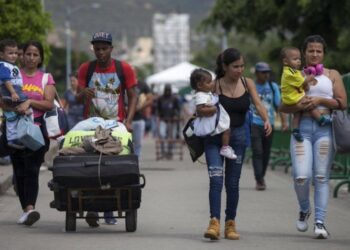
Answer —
(219, 70)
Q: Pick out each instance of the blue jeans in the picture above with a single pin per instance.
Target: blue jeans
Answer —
(232, 170)
(312, 158)
(138, 132)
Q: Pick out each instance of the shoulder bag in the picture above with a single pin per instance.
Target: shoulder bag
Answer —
(55, 120)
(341, 131)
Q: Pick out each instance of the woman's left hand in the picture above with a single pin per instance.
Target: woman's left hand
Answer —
(23, 107)
(268, 128)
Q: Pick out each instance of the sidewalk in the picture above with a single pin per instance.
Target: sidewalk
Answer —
(174, 214)
(5, 178)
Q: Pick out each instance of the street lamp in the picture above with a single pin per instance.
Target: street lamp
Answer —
(69, 11)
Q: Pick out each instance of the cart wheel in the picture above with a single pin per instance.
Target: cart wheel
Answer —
(131, 221)
(71, 221)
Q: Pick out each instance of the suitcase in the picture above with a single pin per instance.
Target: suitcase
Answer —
(93, 171)
(86, 182)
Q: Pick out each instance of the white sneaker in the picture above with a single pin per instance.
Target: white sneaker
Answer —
(23, 218)
(320, 231)
(228, 152)
(32, 217)
(302, 225)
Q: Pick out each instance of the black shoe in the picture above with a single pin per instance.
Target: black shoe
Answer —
(92, 219)
(297, 135)
(260, 185)
(324, 120)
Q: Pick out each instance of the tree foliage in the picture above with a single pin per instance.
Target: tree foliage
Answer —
(253, 50)
(24, 20)
(292, 20)
(57, 65)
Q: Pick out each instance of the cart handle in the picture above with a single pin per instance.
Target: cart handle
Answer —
(142, 176)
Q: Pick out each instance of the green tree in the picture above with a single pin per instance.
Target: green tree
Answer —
(252, 50)
(24, 20)
(205, 55)
(57, 65)
(292, 20)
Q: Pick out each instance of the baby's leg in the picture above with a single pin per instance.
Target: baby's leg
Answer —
(295, 125)
(322, 120)
(226, 137)
(226, 150)
(296, 120)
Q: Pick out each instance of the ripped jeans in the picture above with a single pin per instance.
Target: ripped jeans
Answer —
(311, 161)
(231, 174)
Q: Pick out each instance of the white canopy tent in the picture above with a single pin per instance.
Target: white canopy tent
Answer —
(178, 76)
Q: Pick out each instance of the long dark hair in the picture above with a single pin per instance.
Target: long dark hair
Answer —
(37, 45)
(227, 57)
(314, 39)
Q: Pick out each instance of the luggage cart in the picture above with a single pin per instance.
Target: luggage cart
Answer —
(75, 197)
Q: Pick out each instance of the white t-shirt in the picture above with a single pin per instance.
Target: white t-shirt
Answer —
(208, 125)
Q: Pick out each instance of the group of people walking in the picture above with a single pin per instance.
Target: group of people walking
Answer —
(308, 94)
(222, 105)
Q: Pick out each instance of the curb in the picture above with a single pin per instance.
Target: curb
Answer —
(5, 178)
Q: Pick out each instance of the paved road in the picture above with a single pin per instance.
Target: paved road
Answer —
(174, 215)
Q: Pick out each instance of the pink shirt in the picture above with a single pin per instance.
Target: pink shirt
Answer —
(32, 87)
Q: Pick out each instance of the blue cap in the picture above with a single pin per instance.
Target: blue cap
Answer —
(262, 67)
(102, 37)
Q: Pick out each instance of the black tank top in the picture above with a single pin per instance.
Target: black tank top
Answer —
(236, 107)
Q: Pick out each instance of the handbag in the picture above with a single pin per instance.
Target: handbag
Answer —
(195, 144)
(29, 133)
(55, 120)
(341, 131)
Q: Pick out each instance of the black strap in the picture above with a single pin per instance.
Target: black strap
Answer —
(90, 71)
(118, 69)
(218, 113)
(244, 81)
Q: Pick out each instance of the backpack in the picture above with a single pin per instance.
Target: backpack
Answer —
(273, 96)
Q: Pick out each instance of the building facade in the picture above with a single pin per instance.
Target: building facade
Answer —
(171, 36)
